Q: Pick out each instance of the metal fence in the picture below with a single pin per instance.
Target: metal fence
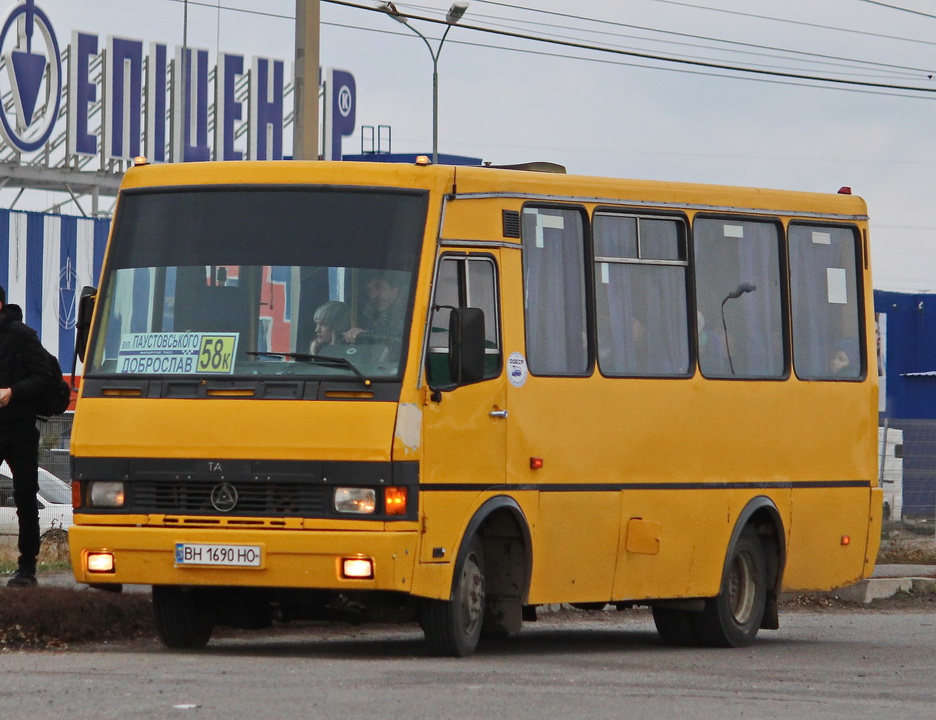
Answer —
(907, 469)
(54, 438)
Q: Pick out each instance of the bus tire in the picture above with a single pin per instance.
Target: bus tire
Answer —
(733, 618)
(183, 620)
(453, 627)
(675, 627)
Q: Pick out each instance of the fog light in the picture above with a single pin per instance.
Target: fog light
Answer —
(101, 562)
(106, 494)
(360, 501)
(357, 568)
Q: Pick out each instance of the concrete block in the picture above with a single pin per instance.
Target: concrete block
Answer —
(864, 591)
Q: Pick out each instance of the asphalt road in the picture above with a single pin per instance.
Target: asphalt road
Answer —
(825, 664)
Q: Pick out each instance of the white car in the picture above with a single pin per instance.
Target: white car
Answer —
(55, 508)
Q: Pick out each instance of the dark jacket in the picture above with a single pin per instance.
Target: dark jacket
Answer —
(24, 368)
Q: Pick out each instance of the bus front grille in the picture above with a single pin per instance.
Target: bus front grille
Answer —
(292, 499)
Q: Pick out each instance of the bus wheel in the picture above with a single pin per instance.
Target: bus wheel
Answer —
(452, 627)
(183, 621)
(733, 617)
(675, 627)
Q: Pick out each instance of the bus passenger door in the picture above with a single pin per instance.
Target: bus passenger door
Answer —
(464, 428)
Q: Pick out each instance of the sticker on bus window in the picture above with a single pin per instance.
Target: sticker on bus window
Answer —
(186, 353)
(734, 231)
(837, 286)
(821, 238)
(517, 369)
(552, 222)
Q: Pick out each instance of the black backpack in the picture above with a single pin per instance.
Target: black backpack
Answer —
(56, 398)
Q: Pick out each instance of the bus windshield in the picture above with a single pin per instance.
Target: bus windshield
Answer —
(255, 282)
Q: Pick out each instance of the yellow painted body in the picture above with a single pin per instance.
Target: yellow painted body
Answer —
(587, 546)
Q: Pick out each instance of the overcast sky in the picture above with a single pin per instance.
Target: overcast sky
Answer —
(507, 100)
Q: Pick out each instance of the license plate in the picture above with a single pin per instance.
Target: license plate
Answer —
(218, 555)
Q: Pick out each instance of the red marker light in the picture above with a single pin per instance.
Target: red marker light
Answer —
(844, 190)
(536, 463)
(846, 539)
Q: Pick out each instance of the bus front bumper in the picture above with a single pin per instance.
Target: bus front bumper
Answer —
(277, 558)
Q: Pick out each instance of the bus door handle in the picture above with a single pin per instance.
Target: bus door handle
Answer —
(498, 413)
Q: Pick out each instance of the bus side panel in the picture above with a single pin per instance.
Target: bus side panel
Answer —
(447, 520)
(828, 538)
(679, 563)
(574, 558)
(694, 530)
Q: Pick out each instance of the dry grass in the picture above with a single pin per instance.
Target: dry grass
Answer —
(50, 617)
(47, 617)
(53, 553)
(908, 544)
(902, 555)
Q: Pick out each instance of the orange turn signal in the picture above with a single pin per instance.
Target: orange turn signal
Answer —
(395, 501)
(846, 539)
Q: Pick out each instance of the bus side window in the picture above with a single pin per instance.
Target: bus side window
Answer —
(825, 293)
(640, 292)
(554, 291)
(738, 298)
(463, 282)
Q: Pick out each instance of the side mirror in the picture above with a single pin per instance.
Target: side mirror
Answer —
(466, 345)
(83, 321)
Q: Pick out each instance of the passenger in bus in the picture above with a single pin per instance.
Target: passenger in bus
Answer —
(840, 359)
(839, 362)
(332, 323)
(384, 310)
(713, 356)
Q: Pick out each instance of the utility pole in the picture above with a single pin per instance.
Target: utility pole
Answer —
(305, 93)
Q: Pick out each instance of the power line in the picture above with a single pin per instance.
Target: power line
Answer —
(801, 23)
(620, 63)
(844, 61)
(895, 7)
(711, 65)
(651, 56)
(282, 16)
(219, 6)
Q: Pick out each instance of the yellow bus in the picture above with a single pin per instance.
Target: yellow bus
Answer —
(454, 395)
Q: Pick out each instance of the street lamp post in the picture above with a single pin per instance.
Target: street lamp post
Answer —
(454, 14)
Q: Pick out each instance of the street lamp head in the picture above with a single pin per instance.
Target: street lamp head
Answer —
(455, 12)
(391, 10)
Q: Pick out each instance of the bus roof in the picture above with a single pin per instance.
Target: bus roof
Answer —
(466, 182)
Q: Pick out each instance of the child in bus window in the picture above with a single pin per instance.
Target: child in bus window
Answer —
(332, 321)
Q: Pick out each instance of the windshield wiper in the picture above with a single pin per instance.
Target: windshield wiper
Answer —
(316, 359)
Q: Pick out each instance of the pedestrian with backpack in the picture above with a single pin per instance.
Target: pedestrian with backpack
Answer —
(25, 379)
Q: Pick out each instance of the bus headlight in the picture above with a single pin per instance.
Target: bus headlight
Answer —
(359, 501)
(106, 494)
